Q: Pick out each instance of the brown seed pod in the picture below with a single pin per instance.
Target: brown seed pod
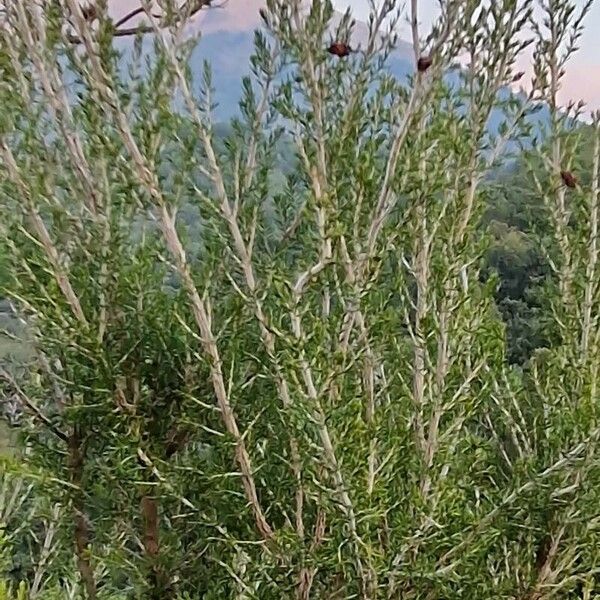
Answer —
(339, 49)
(517, 76)
(176, 440)
(89, 12)
(424, 63)
(568, 179)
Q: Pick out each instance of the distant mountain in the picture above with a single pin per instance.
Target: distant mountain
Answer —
(227, 42)
(229, 53)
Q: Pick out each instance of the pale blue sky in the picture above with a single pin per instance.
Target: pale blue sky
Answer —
(583, 78)
(590, 48)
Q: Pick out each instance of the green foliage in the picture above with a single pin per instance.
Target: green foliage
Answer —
(368, 372)
(7, 593)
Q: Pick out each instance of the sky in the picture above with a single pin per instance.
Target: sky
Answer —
(590, 49)
(582, 81)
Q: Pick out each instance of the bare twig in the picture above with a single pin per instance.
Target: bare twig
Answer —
(46, 551)
(31, 407)
(592, 260)
(42, 234)
(187, 10)
(242, 251)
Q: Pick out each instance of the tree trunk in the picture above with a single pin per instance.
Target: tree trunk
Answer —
(81, 530)
(157, 578)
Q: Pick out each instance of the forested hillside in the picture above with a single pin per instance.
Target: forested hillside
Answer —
(340, 342)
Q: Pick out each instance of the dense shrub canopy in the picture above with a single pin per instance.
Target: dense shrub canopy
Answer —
(272, 359)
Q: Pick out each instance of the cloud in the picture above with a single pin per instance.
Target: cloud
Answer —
(582, 81)
(234, 15)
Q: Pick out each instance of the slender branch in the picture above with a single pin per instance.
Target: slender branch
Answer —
(127, 32)
(418, 96)
(414, 25)
(56, 94)
(47, 547)
(567, 459)
(421, 270)
(81, 529)
(229, 214)
(130, 15)
(42, 234)
(149, 180)
(31, 406)
(185, 12)
(592, 260)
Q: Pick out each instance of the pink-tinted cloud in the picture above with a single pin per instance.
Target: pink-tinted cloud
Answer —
(580, 82)
(233, 15)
